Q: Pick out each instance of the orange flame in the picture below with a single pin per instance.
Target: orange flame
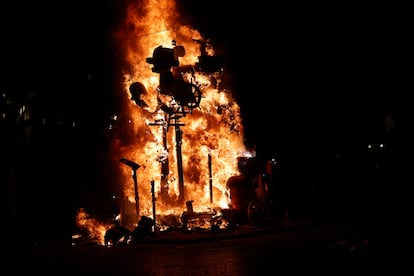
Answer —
(95, 229)
(211, 134)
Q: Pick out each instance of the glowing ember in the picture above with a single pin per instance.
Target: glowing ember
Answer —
(188, 153)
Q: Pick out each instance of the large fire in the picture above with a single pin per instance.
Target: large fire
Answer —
(176, 153)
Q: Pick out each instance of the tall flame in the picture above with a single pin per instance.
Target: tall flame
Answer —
(209, 138)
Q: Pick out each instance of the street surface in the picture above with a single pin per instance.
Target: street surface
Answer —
(334, 248)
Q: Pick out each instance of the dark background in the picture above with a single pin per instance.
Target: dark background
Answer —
(314, 82)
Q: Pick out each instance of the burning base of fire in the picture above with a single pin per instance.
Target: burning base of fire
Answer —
(166, 227)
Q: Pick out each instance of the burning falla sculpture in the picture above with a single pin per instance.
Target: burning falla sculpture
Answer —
(180, 84)
(177, 81)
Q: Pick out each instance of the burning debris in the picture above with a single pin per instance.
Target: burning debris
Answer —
(192, 220)
(248, 195)
(117, 235)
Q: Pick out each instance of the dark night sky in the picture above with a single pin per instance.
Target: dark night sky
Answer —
(326, 62)
(277, 57)
(47, 45)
